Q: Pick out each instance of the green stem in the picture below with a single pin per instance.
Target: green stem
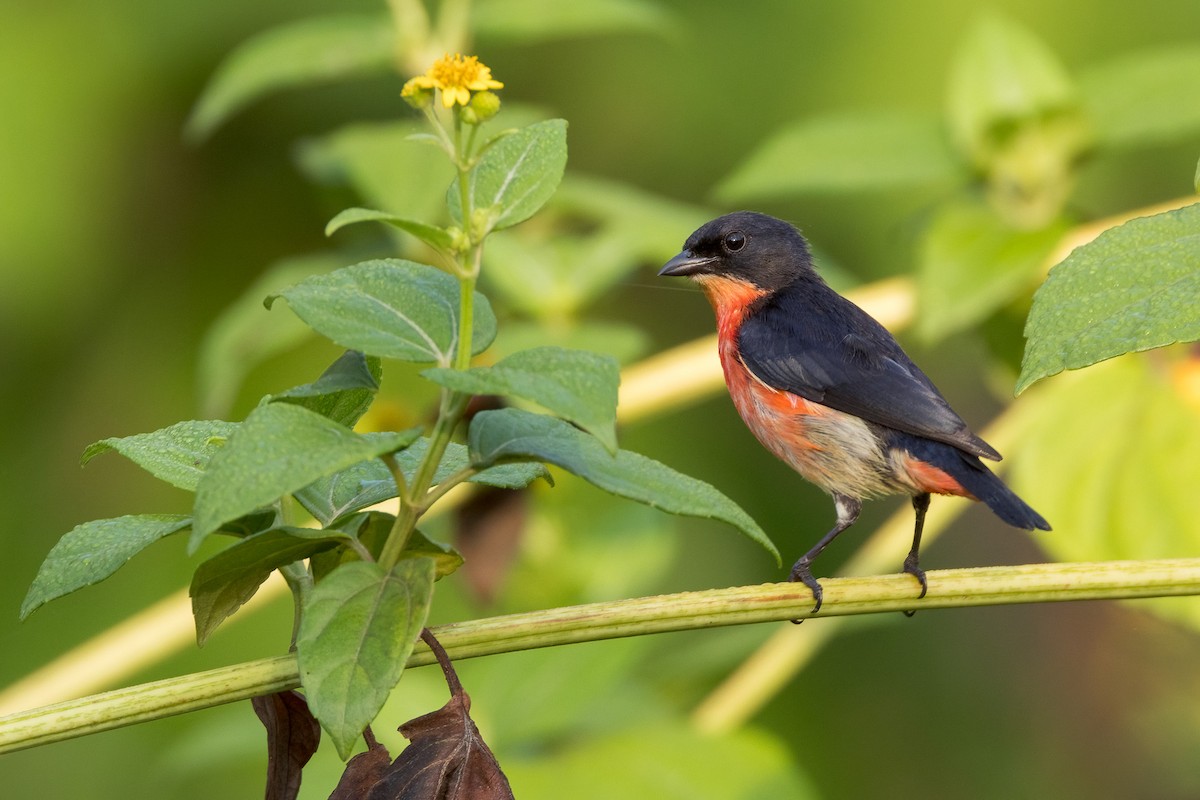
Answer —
(772, 602)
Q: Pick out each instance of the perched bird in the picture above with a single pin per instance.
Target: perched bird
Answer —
(827, 389)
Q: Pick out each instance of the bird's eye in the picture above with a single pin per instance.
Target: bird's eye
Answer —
(735, 241)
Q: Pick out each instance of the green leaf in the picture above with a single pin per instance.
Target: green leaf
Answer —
(177, 454)
(365, 484)
(525, 21)
(430, 234)
(1003, 75)
(91, 552)
(623, 341)
(356, 632)
(1133, 288)
(516, 176)
(245, 335)
(845, 153)
(390, 308)
(344, 392)
(304, 52)
(515, 434)
(1144, 98)
(382, 165)
(972, 263)
(1109, 457)
(225, 582)
(279, 449)
(576, 385)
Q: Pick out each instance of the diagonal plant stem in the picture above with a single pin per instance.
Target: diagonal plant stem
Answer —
(770, 602)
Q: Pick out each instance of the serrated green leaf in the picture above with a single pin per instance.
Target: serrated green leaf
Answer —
(344, 392)
(357, 631)
(850, 152)
(1003, 75)
(244, 335)
(1143, 98)
(177, 454)
(390, 308)
(576, 385)
(279, 449)
(972, 263)
(430, 234)
(516, 176)
(224, 583)
(1109, 458)
(535, 20)
(1133, 288)
(515, 434)
(91, 552)
(302, 52)
(363, 485)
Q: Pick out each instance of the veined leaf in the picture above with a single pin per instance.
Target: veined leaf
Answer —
(91, 552)
(344, 392)
(365, 484)
(390, 308)
(279, 449)
(576, 385)
(516, 176)
(1133, 288)
(513, 434)
(357, 631)
(177, 454)
(430, 234)
(225, 582)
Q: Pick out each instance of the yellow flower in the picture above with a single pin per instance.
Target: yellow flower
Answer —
(456, 77)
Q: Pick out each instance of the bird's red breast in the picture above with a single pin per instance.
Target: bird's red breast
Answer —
(837, 451)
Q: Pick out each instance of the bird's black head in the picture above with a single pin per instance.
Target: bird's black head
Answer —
(761, 250)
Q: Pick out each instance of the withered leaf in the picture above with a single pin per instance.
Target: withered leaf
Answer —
(292, 737)
(363, 771)
(446, 759)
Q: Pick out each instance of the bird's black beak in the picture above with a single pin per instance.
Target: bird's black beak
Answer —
(684, 264)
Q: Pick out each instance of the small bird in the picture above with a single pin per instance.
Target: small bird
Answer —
(827, 389)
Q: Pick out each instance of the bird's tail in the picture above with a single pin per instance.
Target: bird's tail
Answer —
(983, 485)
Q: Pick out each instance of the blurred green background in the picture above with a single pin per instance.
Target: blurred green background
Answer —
(120, 243)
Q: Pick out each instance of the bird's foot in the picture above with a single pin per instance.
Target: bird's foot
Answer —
(802, 573)
(910, 566)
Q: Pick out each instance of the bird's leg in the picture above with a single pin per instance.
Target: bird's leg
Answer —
(848, 509)
(920, 505)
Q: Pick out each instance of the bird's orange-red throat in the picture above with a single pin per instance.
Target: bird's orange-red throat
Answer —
(827, 389)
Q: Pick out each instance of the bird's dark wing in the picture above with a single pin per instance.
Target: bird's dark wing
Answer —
(810, 341)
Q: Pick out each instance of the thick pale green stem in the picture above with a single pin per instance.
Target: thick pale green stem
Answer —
(772, 602)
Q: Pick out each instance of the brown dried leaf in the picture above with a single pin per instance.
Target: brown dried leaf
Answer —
(446, 759)
(364, 771)
(292, 737)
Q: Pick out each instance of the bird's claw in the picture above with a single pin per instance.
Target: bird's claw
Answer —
(802, 573)
(910, 566)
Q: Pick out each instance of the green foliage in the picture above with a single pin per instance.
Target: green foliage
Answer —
(1134, 288)
(279, 449)
(364, 578)
(356, 633)
(91, 552)
(1110, 451)
(177, 454)
(846, 153)
(514, 178)
(304, 52)
(390, 308)
(512, 433)
(576, 385)
(533, 20)
(1143, 97)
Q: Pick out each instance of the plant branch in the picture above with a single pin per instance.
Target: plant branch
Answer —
(772, 602)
